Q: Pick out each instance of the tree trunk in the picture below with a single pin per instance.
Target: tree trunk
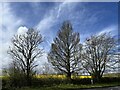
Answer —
(28, 76)
(69, 76)
(96, 78)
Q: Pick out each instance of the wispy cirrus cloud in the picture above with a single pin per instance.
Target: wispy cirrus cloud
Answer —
(83, 20)
(113, 29)
(51, 17)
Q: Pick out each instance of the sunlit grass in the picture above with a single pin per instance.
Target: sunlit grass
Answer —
(69, 87)
(2, 76)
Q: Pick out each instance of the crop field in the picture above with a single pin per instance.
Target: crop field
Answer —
(60, 76)
(73, 76)
(43, 76)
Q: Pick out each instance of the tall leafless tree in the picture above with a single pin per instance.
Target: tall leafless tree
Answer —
(24, 51)
(65, 51)
(97, 53)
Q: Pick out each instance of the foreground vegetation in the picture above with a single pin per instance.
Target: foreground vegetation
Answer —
(49, 82)
(68, 87)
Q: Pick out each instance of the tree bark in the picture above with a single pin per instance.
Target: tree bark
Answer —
(69, 76)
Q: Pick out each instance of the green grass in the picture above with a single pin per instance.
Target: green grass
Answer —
(68, 87)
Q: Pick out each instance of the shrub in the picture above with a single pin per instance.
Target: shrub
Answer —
(110, 79)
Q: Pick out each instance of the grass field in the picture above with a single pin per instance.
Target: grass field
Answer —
(79, 76)
(68, 87)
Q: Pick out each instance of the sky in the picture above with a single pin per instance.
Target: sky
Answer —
(87, 18)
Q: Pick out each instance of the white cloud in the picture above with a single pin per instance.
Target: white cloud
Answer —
(9, 22)
(9, 25)
(22, 30)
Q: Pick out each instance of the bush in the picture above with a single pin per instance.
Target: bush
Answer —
(56, 81)
(47, 81)
(15, 79)
(5, 83)
(81, 81)
(110, 79)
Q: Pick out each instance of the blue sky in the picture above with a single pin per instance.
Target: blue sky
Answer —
(87, 18)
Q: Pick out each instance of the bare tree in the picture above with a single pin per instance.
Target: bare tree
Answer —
(97, 53)
(24, 51)
(65, 51)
